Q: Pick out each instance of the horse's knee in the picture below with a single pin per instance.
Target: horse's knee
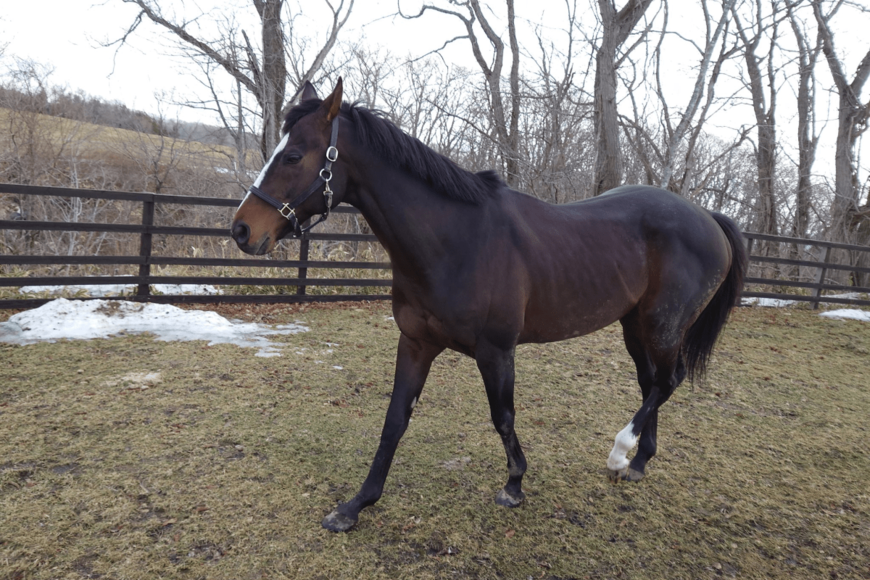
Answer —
(503, 421)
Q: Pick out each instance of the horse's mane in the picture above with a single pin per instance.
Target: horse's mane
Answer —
(387, 141)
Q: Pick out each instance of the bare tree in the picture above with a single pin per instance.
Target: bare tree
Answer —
(676, 134)
(616, 27)
(669, 159)
(556, 117)
(263, 73)
(761, 70)
(505, 116)
(853, 116)
(808, 139)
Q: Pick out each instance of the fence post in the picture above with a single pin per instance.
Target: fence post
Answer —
(303, 257)
(820, 278)
(144, 289)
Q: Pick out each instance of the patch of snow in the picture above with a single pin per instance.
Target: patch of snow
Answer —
(851, 295)
(849, 313)
(768, 302)
(89, 289)
(198, 289)
(86, 319)
(100, 290)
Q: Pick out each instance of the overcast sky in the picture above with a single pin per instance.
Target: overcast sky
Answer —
(66, 35)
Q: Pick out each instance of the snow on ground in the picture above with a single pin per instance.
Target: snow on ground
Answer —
(119, 289)
(848, 313)
(84, 319)
(767, 302)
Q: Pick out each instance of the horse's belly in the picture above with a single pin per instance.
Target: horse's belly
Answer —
(551, 322)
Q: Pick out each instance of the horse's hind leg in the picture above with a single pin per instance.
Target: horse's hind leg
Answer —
(659, 371)
(496, 366)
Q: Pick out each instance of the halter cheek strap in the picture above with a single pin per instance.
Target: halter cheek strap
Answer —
(288, 210)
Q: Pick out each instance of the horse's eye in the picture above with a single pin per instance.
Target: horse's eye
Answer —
(292, 158)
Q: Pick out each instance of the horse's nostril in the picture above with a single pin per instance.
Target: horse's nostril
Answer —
(241, 233)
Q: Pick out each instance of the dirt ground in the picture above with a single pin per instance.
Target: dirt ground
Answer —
(133, 458)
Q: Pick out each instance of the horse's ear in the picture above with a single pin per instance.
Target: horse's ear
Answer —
(308, 92)
(332, 103)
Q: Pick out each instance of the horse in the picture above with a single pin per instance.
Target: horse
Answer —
(480, 268)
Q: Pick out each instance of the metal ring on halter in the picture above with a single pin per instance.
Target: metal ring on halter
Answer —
(332, 154)
(324, 173)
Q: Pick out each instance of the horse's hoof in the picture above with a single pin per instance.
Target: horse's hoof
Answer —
(503, 498)
(616, 475)
(338, 522)
(632, 475)
(626, 474)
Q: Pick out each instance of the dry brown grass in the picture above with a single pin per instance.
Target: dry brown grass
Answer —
(224, 465)
(116, 145)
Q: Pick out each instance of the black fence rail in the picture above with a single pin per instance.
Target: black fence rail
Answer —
(776, 279)
(146, 259)
(787, 270)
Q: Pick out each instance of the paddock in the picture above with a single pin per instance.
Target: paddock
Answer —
(132, 458)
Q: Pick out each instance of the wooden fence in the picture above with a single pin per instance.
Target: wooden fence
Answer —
(821, 269)
(146, 258)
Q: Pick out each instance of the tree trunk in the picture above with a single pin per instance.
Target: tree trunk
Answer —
(274, 72)
(616, 27)
(764, 107)
(807, 139)
(853, 115)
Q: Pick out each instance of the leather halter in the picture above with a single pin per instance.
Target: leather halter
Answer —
(288, 210)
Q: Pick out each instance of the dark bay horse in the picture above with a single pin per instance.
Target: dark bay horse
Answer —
(479, 268)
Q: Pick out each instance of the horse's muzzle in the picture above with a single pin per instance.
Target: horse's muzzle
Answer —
(241, 233)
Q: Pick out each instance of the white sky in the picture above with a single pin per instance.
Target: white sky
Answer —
(67, 36)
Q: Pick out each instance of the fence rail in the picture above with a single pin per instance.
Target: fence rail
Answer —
(821, 267)
(145, 259)
(146, 229)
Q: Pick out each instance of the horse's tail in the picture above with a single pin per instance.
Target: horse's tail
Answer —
(702, 335)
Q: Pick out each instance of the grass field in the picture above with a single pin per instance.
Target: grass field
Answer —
(131, 458)
(101, 142)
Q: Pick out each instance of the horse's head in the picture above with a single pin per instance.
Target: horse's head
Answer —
(297, 182)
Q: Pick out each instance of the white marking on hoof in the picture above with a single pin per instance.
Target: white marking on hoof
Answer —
(414, 403)
(624, 442)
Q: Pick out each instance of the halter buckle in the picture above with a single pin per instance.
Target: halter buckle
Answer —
(332, 154)
(286, 208)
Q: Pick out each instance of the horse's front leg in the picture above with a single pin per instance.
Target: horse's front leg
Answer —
(412, 366)
(497, 369)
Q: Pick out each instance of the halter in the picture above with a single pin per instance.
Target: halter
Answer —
(288, 210)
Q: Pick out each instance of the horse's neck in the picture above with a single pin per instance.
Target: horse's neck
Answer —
(416, 225)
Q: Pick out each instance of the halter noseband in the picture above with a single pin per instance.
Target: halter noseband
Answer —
(288, 210)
